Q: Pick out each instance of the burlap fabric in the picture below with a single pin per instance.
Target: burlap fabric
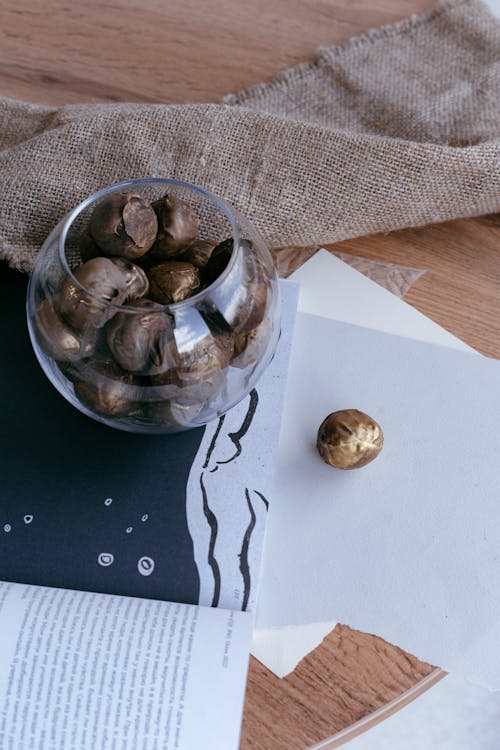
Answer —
(399, 127)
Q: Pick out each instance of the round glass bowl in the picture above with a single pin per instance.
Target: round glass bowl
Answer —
(150, 367)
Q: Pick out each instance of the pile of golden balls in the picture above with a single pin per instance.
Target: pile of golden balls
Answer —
(145, 255)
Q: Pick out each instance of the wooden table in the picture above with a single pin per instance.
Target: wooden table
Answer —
(58, 52)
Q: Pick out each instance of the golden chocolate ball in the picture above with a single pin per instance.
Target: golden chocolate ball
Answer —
(248, 347)
(100, 281)
(178, 226)
(173, 281)
(349, 439)
(106, 389)
(198, 254)
(124, 224)
(172, 413)
(200, 373)
(142, 342)
(57, 339)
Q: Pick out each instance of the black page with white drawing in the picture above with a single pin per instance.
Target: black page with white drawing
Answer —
(175, 517)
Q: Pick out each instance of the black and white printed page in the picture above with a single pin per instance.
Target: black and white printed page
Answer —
(82, 670)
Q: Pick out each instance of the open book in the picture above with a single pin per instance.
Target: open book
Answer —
(128, 563)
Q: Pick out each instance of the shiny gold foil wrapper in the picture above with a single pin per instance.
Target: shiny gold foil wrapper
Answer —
(349, 439)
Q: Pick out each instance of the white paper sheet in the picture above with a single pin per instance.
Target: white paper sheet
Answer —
(446, 585)
(281, 649)
(331, 288)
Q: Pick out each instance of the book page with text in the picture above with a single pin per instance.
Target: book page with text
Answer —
(84, 670)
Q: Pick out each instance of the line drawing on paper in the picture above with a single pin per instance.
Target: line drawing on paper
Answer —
(223, 512)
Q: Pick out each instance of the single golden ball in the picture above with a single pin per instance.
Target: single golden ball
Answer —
(349, 439)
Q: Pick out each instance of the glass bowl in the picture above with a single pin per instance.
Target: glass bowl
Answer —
(150, 367)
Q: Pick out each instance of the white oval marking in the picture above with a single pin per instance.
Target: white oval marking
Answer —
(28, 519)
(7, 527)
(108, 501)
(145, 517)
(105, 559)
(129, 529)
(145, 566)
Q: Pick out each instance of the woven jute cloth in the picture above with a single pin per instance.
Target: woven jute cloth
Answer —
(399, 127)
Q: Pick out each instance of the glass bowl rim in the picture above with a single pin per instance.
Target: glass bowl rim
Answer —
(173, 307)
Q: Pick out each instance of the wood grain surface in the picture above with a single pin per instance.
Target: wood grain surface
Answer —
(56, 52)
(347, 678)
